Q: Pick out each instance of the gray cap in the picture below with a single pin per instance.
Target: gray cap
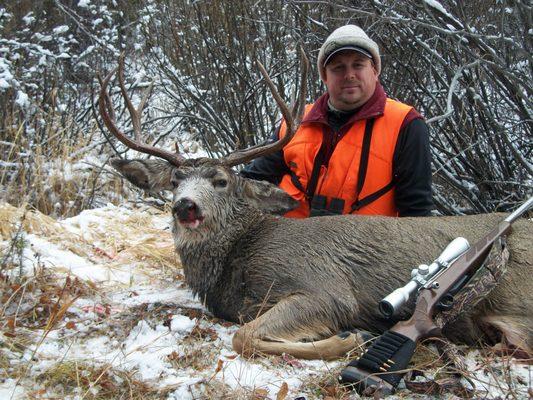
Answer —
(348, 37)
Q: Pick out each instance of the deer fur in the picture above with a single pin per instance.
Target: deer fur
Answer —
(295, 284)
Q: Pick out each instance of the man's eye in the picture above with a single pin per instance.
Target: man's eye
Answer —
(220, 183)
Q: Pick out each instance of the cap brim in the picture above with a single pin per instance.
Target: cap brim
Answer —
(354, 48)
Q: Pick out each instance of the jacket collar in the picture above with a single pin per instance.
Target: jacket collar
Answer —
(374, 107)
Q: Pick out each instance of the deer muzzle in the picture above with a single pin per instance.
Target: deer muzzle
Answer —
(187, 213)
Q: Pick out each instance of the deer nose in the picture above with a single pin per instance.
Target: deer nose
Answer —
(185, 208)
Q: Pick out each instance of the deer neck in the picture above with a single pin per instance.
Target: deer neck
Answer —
(205, 261)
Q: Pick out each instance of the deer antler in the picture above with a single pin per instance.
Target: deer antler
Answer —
(108, 115)
(292, 119)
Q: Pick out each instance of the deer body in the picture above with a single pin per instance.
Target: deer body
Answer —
(341, 267)
(296, 283)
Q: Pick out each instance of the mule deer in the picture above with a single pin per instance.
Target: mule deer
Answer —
(295, 284)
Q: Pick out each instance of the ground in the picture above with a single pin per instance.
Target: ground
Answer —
(95, 307)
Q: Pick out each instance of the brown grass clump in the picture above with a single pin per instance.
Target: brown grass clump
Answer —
(122, 238)
(94, 382)
(132, 237)
(14, 220)
(39, 301)
(31, 221)
(326, 385)
(52, 177)
(4, 363)
(193, 357)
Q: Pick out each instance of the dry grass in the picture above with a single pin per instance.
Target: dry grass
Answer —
(39, 301)
(53, 177)
(32, 306)
(118, 237)
(327, 386)
(94, 382)
(14, 219)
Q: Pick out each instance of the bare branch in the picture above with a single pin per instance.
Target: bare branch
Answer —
(242, 156)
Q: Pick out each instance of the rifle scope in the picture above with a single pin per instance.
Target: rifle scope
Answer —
(421, 276)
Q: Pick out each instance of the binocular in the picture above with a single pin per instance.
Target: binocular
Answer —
(319, 206)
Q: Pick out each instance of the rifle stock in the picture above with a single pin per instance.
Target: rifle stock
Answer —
(385, 362)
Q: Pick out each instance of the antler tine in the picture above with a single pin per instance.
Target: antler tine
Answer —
(104, 102)
(109, 109)
(292, 119)
(135, 113)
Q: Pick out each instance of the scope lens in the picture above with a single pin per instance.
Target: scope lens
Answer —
(386, 308)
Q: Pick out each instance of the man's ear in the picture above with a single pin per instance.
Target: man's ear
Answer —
(267, 197)
(153, 175)
(323, 76)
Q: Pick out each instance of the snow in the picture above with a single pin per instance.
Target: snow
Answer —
(52, 256)
(4, 84)
(240, 373)
(60, 29)
(84, 3)
(109, 330)
(435, 4)
(5, 74)
(181, 323)
(10, 390)
(29, 18)
(22, 99)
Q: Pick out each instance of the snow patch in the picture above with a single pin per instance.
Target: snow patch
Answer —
(22, 99)
(60, 29)
(29, 18)
(181, 323)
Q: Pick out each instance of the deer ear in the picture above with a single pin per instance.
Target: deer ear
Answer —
(267, 197)
(153, 175)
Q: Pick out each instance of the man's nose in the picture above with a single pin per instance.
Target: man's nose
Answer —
(350, 73)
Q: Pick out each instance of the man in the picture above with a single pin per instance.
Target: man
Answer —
(356, 151)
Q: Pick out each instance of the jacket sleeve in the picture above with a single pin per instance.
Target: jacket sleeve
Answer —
(269, 168)
(412, 170)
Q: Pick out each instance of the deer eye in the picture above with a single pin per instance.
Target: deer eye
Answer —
(176, 179)
(220, 183)
(175, 182)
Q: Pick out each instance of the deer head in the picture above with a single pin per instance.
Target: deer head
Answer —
(206, 192)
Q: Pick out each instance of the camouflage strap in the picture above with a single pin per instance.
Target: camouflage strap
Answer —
(484, 280)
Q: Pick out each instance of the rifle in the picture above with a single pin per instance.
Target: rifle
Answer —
(435, 285)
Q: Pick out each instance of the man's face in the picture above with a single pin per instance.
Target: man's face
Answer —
(351, 79)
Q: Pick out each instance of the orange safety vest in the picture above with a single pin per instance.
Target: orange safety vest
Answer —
(339, 179)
